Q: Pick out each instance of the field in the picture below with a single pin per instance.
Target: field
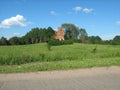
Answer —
(37, 57)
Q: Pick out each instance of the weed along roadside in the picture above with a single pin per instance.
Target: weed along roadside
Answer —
(37, 57)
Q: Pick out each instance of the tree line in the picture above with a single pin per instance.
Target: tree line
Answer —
(35, 35)
(72, 32)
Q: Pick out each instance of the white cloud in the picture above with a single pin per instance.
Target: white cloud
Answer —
(87, 10)
(53, 13)
(18, 20)
(118, 22)
(77, 9)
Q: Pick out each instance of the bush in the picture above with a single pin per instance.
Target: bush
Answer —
(55, 42)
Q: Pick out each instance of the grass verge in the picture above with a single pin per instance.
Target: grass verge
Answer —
(59, 65)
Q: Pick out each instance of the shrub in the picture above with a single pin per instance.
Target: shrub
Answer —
(55, 42)
(49, 47)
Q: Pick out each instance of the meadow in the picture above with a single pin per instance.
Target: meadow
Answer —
(37, 57)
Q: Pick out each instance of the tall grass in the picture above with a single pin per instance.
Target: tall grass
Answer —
(16, 55)
(59, 65)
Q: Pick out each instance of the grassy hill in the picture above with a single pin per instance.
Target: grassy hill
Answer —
(37, 57)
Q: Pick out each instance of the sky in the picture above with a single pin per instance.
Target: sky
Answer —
(98, 17)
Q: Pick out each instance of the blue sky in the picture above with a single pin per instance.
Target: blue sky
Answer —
(98, 17)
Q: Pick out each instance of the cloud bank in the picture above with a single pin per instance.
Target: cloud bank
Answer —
(17, 20)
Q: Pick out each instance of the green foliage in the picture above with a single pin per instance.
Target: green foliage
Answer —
(37, 35)
(94, 40)
(49, 47)
(71, 31)
(83, 35)
(94, 51)
(116, 40)
(3, 41)
(50, 33)
(55, 42)
(107, 42)
(14, 41)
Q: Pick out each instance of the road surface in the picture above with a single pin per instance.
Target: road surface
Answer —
(104, 78)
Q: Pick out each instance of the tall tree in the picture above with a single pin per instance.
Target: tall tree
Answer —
(83, 35)
(22, 40)
(68, 34)
(44, 34)
(14, 41)
(95, 40)
(71, 31)
(116, 40)
(50, 32)
(32, 36)
(37, 35)
(3, 41)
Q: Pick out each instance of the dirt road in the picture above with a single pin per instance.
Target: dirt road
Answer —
(104, 78)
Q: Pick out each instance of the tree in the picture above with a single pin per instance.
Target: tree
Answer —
(116, 40)
(14, 40)
(22, 40)
(32, 36)
(107, 42)
(95, 40)
(3, 41)
(83, 35)
(98, 40)
(68, 34)
(27, 39)
(37, 35)
(71, 31)
(50, 32)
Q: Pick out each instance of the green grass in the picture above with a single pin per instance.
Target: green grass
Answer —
(59, 65)
(60, 57)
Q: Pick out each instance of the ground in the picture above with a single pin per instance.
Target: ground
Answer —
(102, 78)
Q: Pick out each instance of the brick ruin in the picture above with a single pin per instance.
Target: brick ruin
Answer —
(59, 34)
